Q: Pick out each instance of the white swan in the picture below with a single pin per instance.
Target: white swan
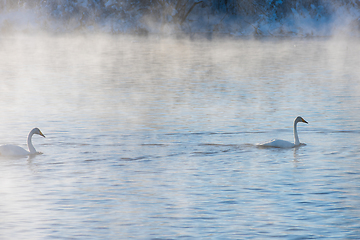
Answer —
(285, 144)
(13, 150)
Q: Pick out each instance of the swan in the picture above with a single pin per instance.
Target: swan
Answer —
(13, 150)
(285, 144)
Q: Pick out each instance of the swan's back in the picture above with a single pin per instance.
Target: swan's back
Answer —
(277, 143)
(12, 150)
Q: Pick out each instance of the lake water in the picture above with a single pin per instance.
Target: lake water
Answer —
(155, 138)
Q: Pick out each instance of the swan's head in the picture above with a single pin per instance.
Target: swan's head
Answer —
(300, 119)
(37, 131)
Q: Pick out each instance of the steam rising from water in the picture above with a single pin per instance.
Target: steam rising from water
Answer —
(128, 78)
(235, 18)
(152, 137)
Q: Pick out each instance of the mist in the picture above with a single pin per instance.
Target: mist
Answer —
(167, 17)
(153, 111)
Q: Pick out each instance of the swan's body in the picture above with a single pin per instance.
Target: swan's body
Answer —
(277, 143)
(15, 151)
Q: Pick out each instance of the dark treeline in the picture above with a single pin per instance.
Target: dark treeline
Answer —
(261, 17)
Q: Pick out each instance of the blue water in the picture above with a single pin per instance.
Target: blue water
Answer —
(155, 138)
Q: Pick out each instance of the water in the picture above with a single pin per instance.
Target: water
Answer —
(155, 138)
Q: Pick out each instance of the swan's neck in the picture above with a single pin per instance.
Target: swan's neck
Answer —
(296, 137)
(29, 143)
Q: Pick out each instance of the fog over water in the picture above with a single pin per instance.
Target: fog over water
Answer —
(155, 137)
(210, 18)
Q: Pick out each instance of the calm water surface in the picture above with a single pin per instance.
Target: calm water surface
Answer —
(155, 138)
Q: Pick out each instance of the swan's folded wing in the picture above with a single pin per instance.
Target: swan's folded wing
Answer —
(277, 143)
(12, 150)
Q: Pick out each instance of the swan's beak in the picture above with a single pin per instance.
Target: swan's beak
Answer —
(41, 134)
(303, 120)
